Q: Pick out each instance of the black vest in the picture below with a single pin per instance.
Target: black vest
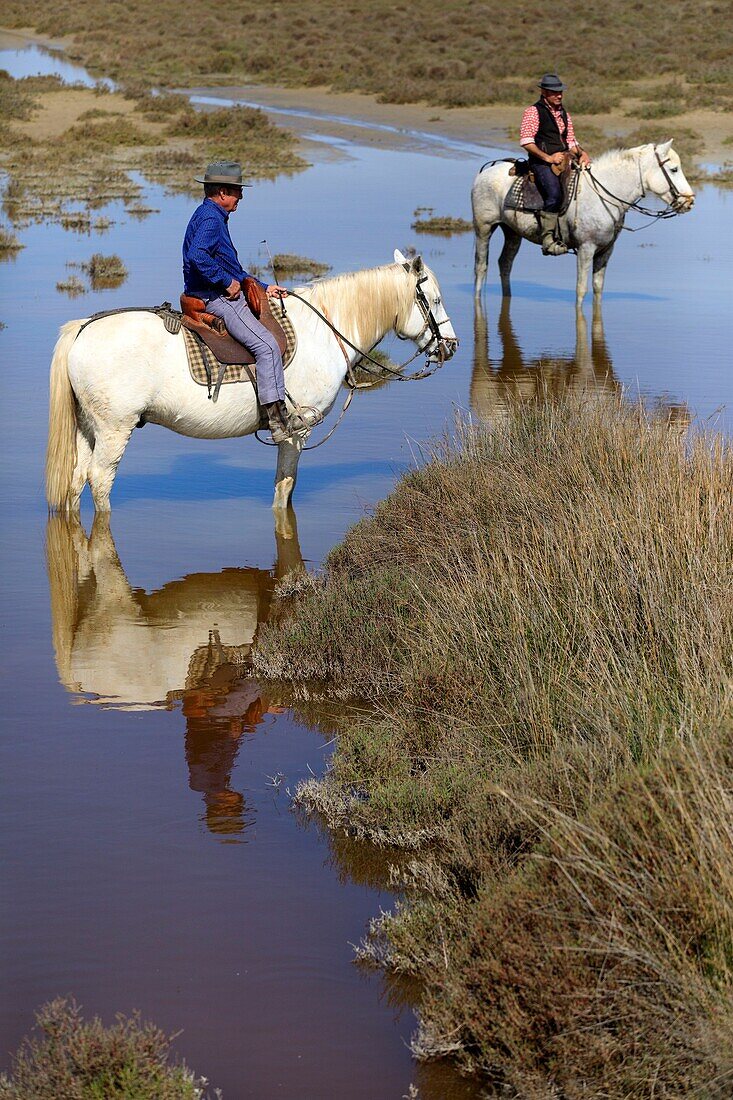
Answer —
(548, 137)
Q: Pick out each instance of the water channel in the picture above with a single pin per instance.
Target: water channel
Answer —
(151, 860)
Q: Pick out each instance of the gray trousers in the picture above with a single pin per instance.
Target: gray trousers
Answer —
(242, 324)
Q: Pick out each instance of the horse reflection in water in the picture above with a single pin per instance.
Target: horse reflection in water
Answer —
(187, 643)
(498, 383)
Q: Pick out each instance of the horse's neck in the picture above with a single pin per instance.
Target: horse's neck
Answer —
(364, 305)
(621, 176)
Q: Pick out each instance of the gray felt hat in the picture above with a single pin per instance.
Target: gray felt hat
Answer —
(228, 172)
(552, 83)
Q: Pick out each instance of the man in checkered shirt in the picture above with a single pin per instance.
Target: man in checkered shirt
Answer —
(547, 133)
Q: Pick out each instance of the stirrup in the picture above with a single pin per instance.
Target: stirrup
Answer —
(553, 247)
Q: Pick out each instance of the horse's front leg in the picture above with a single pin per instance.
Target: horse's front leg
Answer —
(585, 256)
(288, 456)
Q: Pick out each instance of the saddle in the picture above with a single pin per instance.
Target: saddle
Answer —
(212, 330)
(524, 194)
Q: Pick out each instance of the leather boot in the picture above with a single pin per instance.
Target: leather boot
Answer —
(283, 425)
(551, 246)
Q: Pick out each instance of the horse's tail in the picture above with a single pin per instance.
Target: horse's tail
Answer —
(61, 447)
(65, 539)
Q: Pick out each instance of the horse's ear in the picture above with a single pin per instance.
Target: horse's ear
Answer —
(400, 259)
(664, 147)
(417, 265)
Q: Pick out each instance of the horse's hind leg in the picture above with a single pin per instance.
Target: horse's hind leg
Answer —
(512, 242)
(84, 449)
(109, 448)
(600, 262)
(483, 235)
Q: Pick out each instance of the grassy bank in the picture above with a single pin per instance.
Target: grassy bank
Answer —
(73, 1059)
(541, 617)
(62, 145)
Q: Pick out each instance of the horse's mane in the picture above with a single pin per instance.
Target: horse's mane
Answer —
(364, 304)
(612, 156)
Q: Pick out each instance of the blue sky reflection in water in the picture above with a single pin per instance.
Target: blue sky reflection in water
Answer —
(122, 882)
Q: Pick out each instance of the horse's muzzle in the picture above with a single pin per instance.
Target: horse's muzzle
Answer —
(449, 347)
(683, 203)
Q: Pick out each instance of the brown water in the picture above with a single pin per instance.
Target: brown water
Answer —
(150, 856)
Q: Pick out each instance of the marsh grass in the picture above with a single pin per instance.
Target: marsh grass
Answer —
(89, 162)
(77, 1060)
(456, 55)
(541, 619)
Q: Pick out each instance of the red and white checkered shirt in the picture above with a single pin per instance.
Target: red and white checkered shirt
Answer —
(531, 124)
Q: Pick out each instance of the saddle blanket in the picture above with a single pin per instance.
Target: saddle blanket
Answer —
(206, 369)
(523, 195)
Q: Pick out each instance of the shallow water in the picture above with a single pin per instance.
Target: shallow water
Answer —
(151, 859)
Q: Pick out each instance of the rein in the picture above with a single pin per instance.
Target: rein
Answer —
(670, 211)
(430, 323)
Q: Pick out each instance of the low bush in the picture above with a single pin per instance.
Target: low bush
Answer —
(77, 1060)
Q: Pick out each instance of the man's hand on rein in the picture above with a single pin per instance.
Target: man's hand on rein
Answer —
(275, 291)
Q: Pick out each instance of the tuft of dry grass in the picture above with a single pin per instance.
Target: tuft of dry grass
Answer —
(443, 226)
(541, 620)
(73, 286)
(80, 1060)
(287, 265)
(9, 243)
(105, 271)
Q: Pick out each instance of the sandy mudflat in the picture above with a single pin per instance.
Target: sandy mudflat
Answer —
(493, 126)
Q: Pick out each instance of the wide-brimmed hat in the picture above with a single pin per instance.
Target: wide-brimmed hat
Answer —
(227, 172)
(551, 82)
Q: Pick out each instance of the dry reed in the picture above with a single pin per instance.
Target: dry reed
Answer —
(541, 617)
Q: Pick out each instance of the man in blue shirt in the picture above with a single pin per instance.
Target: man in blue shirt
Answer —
(212, 271)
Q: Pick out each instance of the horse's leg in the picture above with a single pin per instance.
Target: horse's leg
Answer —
(288, 455)
(512, 242)
(108, 450)
(585, 255)
(84, 449)
(600, 262)
(483, 234)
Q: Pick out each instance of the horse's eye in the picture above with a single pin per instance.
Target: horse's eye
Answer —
(674, 169)
(436, 301)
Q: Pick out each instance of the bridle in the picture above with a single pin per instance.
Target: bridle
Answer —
(673, 208)
(676, 193)
(431, 324)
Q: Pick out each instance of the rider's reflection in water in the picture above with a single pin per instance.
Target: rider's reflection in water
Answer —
(219, 714)
(189, 642)
(499, 381)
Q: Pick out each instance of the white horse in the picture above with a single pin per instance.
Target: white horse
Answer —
(617, 180)
(127, 370)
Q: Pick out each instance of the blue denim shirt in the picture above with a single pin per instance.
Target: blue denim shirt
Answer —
(210, 260)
